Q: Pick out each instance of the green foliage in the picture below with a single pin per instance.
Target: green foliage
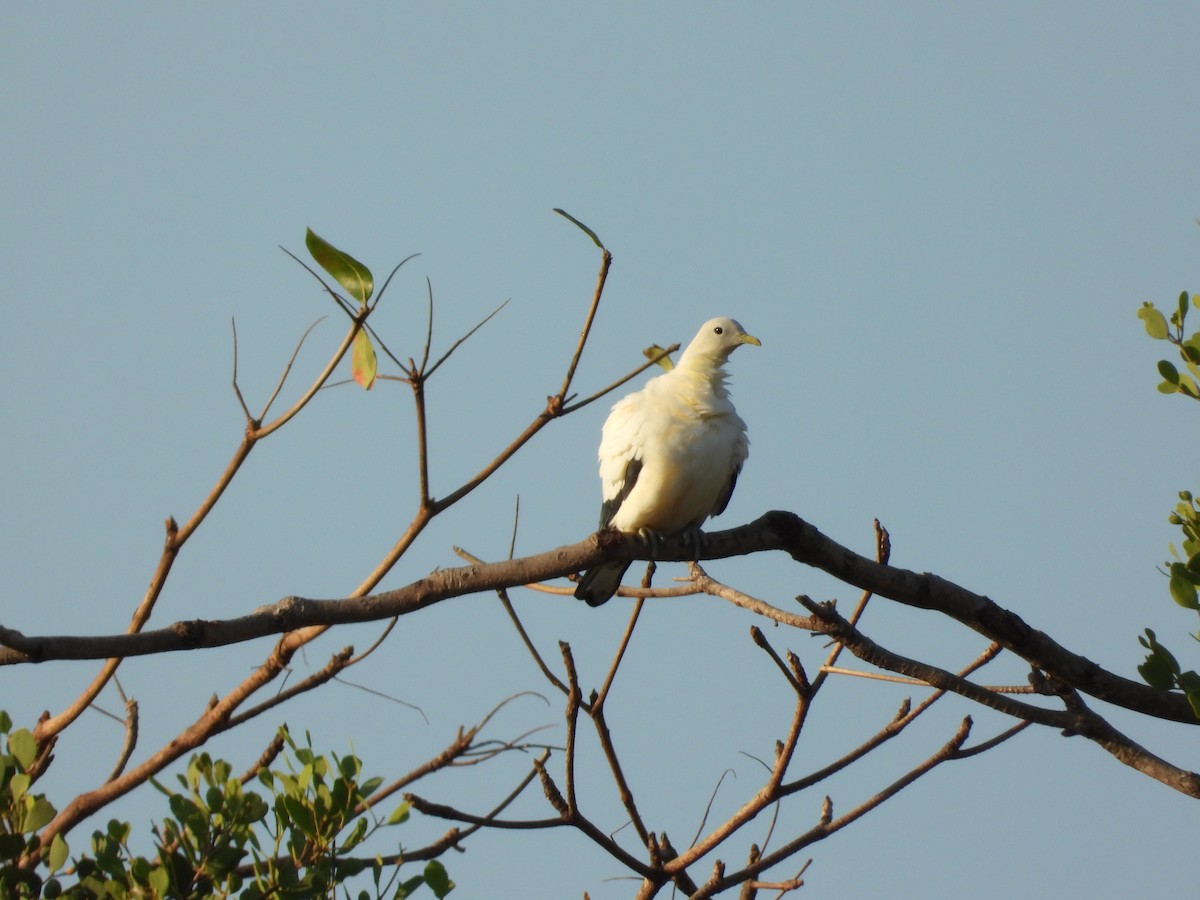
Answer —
(221, 839)
(363, 364)
(360, 284)
(1161, 669)
(23, 813)
(595, 238)
(349, 272)
(1158, 327)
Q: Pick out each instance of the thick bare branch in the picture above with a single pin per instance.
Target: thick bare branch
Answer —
(773, 531)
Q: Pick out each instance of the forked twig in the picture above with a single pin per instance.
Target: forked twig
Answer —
(462, 340)
(580, 404)
(283, 377)
(634, 615)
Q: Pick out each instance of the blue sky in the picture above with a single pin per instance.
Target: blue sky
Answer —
(940, 219)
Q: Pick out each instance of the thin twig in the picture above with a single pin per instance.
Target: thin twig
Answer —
(317, 384)
(634, 615)
(708, 806)
(445, 356)
(883, 552)
(760, 640)
(984, 746)
(916, 682)
(385, 696)
(417, 382)
(345, 305)
(428, 328)
(605, 264)
(283, 377)
(377, 643)
(237, 390)
(580, 404)
(828, 825)
(614, 765)
(131, 736)
(572, 715)
(336, 664)
(502, 593)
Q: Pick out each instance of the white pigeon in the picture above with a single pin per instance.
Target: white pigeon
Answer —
(670, 453)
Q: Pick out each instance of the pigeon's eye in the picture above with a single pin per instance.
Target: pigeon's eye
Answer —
(718, 330)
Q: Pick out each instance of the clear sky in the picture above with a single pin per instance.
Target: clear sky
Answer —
(939, 218)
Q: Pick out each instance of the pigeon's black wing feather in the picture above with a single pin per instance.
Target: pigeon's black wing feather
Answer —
(723, 500)
(609, 508)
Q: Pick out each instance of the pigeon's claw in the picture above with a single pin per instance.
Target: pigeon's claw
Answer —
(695, 538)
(653, 540)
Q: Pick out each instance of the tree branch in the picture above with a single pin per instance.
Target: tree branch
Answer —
(780, 531)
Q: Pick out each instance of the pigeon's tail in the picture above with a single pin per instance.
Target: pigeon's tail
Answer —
(601, 582)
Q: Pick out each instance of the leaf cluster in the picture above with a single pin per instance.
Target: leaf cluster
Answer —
(1161, 329)
(221, 839)
(1161, 669)
(22, 814)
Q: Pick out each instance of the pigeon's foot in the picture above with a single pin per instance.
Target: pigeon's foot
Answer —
(695, 538)
(653, 540)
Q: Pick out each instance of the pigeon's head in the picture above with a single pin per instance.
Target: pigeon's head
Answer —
(718, 338)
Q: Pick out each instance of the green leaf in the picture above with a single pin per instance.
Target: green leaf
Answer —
(1183, 589)
(437, 879)
(39, 813)
(58, 853)
(215, 799)
(407, 888)
(355, 837)
(18, 785)
(301, 816)
(1183, 306)
(11, 846)
(1155, 321)
(581, 226)
(5, 722)
(1167, 388)
(160, 881)
(1194, 699)
(1188, 681)
(1156, 674)
(1160, 668)
(23, 746)
(399, 814)
(363, 364)
(1168, 371)
(348, 271)
(349, 766)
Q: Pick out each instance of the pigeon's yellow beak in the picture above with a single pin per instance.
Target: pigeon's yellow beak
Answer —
(751, 339)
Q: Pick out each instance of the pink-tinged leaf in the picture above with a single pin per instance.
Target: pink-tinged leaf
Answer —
(349, 272)
(363, 364)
